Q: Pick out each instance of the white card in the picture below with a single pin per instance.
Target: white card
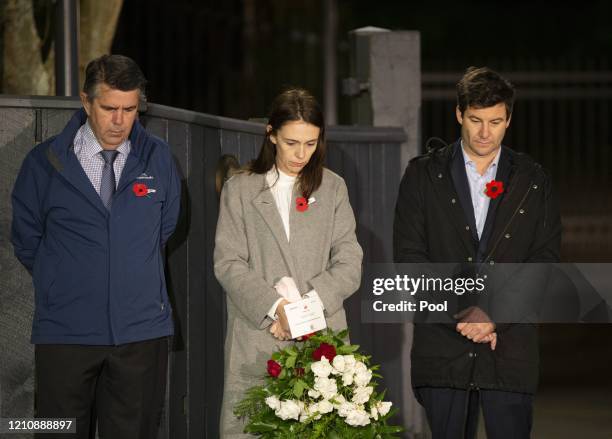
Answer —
(305, 316)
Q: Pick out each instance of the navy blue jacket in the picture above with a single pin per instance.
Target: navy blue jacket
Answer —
(98, 275)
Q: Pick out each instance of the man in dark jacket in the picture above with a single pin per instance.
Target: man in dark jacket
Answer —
(448, 211)
(92, 210)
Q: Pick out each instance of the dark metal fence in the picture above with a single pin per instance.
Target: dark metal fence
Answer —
(367, 158)
(562, 119)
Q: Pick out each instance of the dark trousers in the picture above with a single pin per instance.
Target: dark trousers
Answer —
(453, 413)
(122, 387)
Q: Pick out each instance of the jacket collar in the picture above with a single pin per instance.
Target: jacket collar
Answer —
(447, 172)
(61, 154)
(264, 203)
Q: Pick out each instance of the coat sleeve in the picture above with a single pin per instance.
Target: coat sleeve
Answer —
(343, 274)
(28, 222)
(409, 232)
(172, 204)
(247, 290)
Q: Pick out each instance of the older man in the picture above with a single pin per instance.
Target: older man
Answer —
(92, 210)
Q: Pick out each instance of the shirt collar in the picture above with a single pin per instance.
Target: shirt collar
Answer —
(469, 162)
(88, 144)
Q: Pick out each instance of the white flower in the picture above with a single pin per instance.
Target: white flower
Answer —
(338, 364)
(362, 374)
(349, 363)
(327, 387)
(273, 402)
(374, 413)
(346, 408)
(358, 417)
(288, 410)
(361, 395)
(314, 394)
(308, 412)
(337, 401)
(383, 407)
(324, 407)
(347, 378)
(321, 368)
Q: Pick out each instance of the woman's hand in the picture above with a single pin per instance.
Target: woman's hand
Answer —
(277, 331)
(280, 328)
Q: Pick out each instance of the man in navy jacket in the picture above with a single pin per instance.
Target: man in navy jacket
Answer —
(92, 210)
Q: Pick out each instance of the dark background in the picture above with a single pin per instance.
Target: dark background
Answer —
(231, 57)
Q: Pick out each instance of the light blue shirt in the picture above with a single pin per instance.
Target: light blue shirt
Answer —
(478, 185)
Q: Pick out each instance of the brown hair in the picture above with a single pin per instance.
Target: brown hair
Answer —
(481, 87)
(292, 105)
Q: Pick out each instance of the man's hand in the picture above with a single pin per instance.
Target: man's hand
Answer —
(476, 325)
(477, 332)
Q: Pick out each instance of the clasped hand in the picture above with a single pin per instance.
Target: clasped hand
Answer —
(476, 325)
(280, 328)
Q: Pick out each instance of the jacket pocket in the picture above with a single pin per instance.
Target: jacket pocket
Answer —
(44, 276)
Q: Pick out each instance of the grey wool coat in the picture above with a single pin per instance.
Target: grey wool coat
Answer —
(252, 253)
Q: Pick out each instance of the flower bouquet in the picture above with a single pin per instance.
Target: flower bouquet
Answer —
(318, 387)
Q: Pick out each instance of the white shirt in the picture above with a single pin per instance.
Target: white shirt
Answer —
(281, 187)
(87, 149)
(478, 185)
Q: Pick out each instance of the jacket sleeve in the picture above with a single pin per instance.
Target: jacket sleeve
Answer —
(248, 291)
(172, 204)
(28, 222)
(409, 232)
(343, 274)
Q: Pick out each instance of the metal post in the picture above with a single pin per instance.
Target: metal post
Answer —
(330, 61)
(66, 48)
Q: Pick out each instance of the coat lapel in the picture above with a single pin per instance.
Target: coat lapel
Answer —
(441, 173)
(136, 162)
(505, 205)
(503, 174)
(264, 203)
(462, 187)
(62, 157)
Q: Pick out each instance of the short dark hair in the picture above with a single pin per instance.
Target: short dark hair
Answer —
(294, 104)
(481, 87)
(116, 71)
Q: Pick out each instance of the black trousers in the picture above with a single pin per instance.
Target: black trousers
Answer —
(453, 413)
(120, 387)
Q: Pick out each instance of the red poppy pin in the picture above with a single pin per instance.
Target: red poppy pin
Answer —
(140, 189)
(494, 189)
(301, 204)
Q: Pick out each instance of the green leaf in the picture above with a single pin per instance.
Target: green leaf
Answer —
(291, 361)
(347, 349)
(342, 334)
(260, 427)
(298, 388)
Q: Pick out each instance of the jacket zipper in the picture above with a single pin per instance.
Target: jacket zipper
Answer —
(503, 233)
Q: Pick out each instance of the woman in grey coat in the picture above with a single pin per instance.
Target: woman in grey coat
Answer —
(285, 216)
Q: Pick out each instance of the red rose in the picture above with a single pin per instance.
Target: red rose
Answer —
(274, 369)
(299, 371)
(324, 350)
(301, 204)
(494, 189)
(140, 189)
